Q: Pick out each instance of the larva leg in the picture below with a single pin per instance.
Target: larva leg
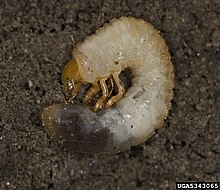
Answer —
(121, 91)
(74, 91)
(110, 85)
(105, 93)
(90, 93)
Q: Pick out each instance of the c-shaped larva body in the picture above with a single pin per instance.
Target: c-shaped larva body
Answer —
(123, 43)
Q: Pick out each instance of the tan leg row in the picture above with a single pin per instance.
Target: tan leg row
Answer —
(97, 86)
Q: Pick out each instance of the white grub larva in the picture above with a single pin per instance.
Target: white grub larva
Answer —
(123, 43)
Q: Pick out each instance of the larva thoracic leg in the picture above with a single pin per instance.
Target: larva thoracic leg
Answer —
(121, 91)
(90, 93)
(123, 43)
(105, 93)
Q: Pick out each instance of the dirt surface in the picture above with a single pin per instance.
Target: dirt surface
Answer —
(35, 44)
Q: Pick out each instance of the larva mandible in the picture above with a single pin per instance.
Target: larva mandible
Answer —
(123, 43)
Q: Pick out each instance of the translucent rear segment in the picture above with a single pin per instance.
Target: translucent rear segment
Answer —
(76, 127)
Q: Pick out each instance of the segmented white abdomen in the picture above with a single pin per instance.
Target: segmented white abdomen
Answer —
(130, 42)
(121, 43)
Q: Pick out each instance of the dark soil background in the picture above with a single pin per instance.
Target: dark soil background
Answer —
(35, 45)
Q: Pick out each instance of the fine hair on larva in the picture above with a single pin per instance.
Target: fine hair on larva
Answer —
(123, 43)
